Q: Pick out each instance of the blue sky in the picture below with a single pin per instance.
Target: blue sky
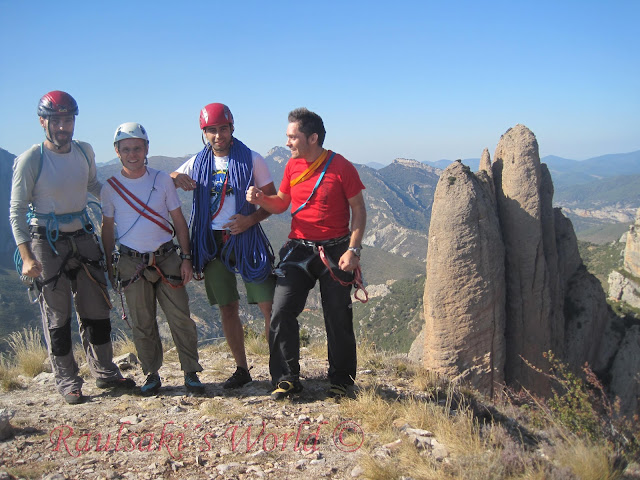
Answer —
(423, 80)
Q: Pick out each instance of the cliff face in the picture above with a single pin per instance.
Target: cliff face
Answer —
(505, 282)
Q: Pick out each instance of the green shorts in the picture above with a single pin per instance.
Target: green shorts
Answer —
(222, 287)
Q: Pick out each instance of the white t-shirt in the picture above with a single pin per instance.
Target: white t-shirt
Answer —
(155, 188)
(261, 177)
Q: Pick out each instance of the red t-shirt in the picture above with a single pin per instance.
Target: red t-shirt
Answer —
(327, 214)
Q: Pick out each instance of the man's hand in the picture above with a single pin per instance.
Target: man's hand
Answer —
(254, 195)
(238, 223)
(31, 267)
(349, 261)
(186, 271)
(183, 181)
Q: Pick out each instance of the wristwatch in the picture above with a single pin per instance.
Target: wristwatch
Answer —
(355, 250)
(185, 256)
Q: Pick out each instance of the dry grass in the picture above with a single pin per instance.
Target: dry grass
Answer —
(588, 461)
(32, 470)
(256, 344)
(317, 348)
(8, 375)
(371, 412)
(220, 410)
(123, 344)
(28, 351)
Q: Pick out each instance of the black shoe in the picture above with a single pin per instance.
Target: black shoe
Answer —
(337, 390)
(286, 389)
(192, 383)
(74, 398)
(124, 383)
(152, 385)
(239, 378)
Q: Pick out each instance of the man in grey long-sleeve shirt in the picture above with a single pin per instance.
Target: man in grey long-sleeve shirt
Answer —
(59, 250)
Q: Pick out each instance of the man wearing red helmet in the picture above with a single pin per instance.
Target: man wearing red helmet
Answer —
(324, 191)
(226, 236)
(58, 247)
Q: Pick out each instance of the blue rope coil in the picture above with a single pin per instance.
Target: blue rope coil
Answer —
(251, 249)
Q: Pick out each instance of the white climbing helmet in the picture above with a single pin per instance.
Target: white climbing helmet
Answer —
(130, 130)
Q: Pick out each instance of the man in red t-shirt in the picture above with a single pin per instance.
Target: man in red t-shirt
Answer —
(324, 191)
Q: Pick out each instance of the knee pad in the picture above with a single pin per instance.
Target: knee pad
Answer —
(99, 330)
(61, 340)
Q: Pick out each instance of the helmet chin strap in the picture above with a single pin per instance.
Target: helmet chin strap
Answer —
(49, 137)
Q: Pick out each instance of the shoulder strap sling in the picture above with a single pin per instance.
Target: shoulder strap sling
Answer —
(324, 170)
(124, 192)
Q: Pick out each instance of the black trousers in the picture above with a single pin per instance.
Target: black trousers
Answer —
(290, 297)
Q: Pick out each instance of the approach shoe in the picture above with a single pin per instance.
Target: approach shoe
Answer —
(239, 378)
(73, 398)
(285, 389)
(152, 385)
(192, 383)
(123, 383)
(337, 390)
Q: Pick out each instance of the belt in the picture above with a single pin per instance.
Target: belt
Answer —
(165, 248)
(325, 243)
(41, 232)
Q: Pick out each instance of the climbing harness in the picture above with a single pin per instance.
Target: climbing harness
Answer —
(330, 265)
(38, 232)
(251, 248)
(52, 228)
(147, 261)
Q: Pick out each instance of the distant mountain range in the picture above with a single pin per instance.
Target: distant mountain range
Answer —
(398, 197)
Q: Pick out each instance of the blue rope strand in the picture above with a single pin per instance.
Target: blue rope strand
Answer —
(251, 249)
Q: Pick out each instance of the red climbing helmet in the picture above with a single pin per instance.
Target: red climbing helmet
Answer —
(215, 114)
(57, 103)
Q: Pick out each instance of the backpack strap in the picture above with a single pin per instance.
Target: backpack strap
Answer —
(75, 142)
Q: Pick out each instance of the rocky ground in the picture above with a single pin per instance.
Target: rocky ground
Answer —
(222, 434)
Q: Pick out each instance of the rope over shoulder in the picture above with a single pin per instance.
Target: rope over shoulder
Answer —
(251, 248)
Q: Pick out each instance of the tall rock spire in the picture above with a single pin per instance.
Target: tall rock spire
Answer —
(518, 178)
(464, 288)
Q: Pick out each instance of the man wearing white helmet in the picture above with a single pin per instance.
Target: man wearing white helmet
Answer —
(59, 250)
(144, 205)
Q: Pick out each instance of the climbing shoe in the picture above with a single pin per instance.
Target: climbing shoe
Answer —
(337, 391)
(73, 398)
(152, 385)
(192, 383)
(239, 378)
(123, 383)
(285, 389)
